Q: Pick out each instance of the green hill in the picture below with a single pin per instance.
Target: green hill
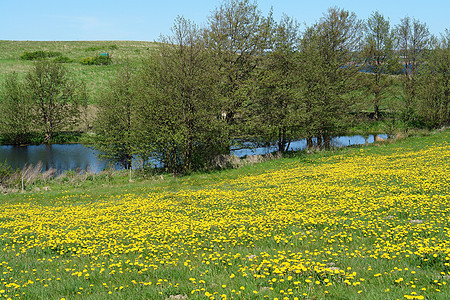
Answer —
(94, 76)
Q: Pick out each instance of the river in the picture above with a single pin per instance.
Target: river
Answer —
(65, 157)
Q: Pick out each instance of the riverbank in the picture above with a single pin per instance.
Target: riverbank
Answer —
(41, 177)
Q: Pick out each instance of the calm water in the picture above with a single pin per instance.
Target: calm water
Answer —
(340, 141)
(77, 156)
(61, 157)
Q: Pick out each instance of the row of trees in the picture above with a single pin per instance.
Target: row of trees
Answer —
(246, 77)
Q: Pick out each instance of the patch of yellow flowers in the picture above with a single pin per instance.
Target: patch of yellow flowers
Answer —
(285, 233)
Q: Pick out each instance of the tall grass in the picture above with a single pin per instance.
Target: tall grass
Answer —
(34, 177)
(31, 177)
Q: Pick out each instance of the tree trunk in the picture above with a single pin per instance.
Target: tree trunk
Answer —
(47, 138)
(376, 102)
(309, 142)
(319, 141)
(327, 141)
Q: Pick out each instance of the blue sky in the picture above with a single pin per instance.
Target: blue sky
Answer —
(68, 20)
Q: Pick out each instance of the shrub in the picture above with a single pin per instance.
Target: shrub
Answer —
(87, 60)
(66, 137)
(62, 59)
(96, 60)
(39, 55)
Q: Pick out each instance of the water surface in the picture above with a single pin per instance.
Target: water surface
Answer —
(78, 157)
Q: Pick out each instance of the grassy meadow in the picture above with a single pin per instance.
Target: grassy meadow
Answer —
(95, 77)
(368, 222)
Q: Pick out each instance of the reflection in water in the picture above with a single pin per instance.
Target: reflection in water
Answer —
(61, 157)
(78, 157)
(301, 144)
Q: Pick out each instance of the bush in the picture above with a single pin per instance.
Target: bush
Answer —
(96, 60)
(66, 137)
(87, 60)
(39, 55)
(62, 59)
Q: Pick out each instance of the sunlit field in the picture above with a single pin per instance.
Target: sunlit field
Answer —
(95, 77)
(361, 223)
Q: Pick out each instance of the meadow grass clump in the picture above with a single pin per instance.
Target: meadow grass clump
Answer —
(62, 59)
(96, 60)
(358, 223)
(39, 55)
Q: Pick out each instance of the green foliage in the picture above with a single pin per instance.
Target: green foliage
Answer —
(380, 58)
(273, 112)
(237, 35)
(35, 109)
(413, 40)
(432, 104)
(66, 137)
(16, 111)
(180, 117)
(116, 124)
(55, 97)
(96, 60)
(62, 59)
(326, 75)
(87, 60)
(39, 55)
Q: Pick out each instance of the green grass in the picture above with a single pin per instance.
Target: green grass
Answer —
(95, 77)
(367, 222)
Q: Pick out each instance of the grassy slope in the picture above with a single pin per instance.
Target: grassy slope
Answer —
(94, 76)
(362, 223)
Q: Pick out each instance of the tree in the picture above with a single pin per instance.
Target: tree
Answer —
(55, 97)
(413, 40)
(329, 63)
(180, 114)
(16, 111)
(433, 80)
(381, 58)
(273, 111)
(115, 124)
(237, 35)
